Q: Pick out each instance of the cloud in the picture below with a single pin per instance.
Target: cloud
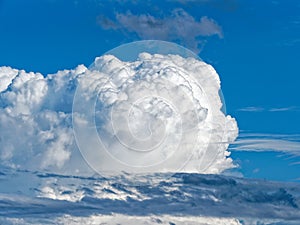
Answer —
(262, 109)
(160, 106)
(163, 220)
(267, 142)
(284, 109)
(179, 26)
(78, 199)
(35, 118)
(251, 109)
(157, 102)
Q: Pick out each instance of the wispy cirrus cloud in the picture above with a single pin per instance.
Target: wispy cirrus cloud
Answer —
(178, 26)
(288, 143)
(251, 109)
(284, 109)
(274, 109)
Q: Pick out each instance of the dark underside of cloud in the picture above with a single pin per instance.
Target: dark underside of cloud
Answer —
(182, 195)
(178, 26)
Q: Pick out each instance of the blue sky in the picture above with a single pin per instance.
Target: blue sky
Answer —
(253, 45)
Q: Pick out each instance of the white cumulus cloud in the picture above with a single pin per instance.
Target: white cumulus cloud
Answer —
(148, 112)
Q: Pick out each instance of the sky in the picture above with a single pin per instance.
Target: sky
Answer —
(253, 45)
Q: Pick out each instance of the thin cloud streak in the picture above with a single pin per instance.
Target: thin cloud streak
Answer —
(274, 109)
(283, 109)
(251, 109)
(289, 144)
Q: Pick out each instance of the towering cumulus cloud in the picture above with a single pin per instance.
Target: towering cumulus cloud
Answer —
(160, 113)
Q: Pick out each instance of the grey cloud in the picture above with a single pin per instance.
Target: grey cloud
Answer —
(179, 26)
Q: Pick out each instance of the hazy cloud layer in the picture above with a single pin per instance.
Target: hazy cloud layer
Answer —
(178, 26)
